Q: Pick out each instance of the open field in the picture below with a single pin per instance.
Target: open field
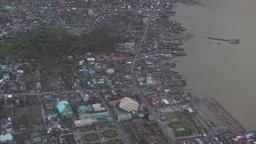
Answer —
(90, 137)
(183, 125)
(27, 115)
(104, 134)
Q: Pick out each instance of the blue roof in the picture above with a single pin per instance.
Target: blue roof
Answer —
(50, 97)
(62, 105)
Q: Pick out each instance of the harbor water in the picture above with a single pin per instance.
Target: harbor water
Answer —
(218, 69)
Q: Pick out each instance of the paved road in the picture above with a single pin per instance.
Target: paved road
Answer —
(120, 128)
(39, 93)
(168, 134)
(52, 92)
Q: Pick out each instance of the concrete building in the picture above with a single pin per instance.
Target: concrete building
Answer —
(110, 71)
(123, 116)
(6, 138)
(84, 122)
(64, 109)
(128, 104)
(94, 111)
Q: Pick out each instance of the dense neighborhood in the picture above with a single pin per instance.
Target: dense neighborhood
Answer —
(101, 72)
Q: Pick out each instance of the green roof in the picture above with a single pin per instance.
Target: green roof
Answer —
(6, 8)
(84, 109)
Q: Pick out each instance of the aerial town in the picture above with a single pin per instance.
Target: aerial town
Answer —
(110, 78)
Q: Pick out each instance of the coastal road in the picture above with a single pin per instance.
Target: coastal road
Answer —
(167, 132)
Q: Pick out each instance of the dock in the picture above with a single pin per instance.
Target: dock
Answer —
(230, 41)
(228, 117)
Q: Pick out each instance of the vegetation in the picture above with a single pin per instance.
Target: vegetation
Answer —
(20, 138)
(183, 125)
(27, 115)
(46, 44)
(32, 100)
(115, 141)
(68, 122)
(109, 133)
(91, 137)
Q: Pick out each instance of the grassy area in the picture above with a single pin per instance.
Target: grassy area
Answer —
(183, 125)
(91, 137)
(29, 114)
(48, 44)
(20, 138)
(32, 100)
(109, 133)
(68, 122)
(115, 141)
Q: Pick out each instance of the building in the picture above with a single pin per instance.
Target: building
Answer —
(129, 105)
(110, 71)
(84, 109)
(155, 99)
(98, 107)
(94, 115)
(123, 116)
(151, 80)
(84, 122)
(90, 11)
(141, 80)
(94, 111)
(64, 109)
(188, 109)
(6, 138)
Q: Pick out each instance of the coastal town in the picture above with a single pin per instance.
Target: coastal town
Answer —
(119, 83)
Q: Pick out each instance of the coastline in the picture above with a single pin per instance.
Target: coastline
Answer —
(217, 69)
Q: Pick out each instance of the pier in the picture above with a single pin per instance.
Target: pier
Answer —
(228, 117)
(230, 41)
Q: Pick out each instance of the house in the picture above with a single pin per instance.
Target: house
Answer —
(6, 76)
(38, 86)
(155, 99)
(85, 97)
(110, 71)
(90, 59)
(151, 80)
(90, 11)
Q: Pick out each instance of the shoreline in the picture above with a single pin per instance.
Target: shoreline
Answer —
(210, 66)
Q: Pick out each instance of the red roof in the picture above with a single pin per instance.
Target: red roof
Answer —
(241, 141)
(61, 2)
(2, 15)
(28, 142)
(154, 99)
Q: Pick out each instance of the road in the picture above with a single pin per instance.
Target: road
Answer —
(52, 92)
(39, 93)
(167, 132)
(120, 128)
